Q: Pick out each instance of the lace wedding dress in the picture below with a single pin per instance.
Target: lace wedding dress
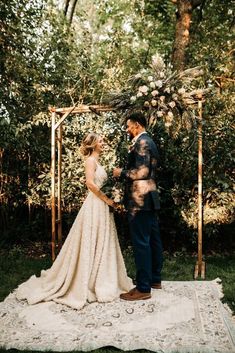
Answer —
(90, 265)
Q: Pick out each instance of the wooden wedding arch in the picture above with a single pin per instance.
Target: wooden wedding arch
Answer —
(56, 138)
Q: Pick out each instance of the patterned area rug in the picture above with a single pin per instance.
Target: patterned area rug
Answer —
(181, 317)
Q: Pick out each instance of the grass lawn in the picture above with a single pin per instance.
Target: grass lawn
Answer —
(16, 266)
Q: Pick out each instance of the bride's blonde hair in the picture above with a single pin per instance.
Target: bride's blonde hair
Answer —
(88, 143)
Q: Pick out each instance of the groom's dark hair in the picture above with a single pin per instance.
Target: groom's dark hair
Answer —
(138, 117)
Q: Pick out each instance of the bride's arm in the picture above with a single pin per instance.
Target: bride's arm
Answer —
(90, 167)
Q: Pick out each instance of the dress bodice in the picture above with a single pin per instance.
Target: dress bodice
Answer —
(100, 175)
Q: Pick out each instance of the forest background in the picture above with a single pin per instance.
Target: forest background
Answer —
(56, 53)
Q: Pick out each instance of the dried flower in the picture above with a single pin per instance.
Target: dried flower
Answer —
(172, 104)
(170, 115)
(168, 124)
(154, 102)
(143, 89)
(174, 96)
(181, 90)
(159, 113)
(167, 90)
(150, 78)
(158, 83)
(154, 93)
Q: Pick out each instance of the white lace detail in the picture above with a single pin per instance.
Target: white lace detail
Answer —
(90, 265)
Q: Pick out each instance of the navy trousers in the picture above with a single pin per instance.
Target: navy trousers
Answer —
(147, 248)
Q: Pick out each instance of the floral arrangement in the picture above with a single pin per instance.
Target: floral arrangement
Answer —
(161, 92)
(114, 190)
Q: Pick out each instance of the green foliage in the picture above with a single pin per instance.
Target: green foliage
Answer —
(45, 62)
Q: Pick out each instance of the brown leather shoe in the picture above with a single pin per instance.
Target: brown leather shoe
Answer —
(156, 286)
(135, 294)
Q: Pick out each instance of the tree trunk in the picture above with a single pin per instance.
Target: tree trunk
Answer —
(66, 6)
(73, 4)
(183, 22)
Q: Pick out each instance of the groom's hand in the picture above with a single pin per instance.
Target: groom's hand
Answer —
(117, 172)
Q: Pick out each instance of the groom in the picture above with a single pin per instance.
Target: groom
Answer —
(142, 202)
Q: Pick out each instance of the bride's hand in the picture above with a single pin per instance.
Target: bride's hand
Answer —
(111, 203)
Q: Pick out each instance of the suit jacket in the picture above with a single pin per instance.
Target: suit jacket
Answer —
(140, 176)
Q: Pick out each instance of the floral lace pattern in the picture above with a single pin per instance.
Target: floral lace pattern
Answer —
(183, 316)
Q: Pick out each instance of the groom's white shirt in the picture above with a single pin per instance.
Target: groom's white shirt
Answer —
(133, 141)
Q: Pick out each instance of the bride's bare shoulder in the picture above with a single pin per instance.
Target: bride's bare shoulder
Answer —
(90, 162)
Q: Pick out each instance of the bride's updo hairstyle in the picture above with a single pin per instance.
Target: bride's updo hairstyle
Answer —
(88, 144)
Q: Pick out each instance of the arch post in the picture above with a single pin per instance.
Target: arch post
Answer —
(59, 161)
(200, 265)
(53, 196)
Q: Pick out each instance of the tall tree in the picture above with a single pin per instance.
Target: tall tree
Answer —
(182, 36)
(66, 6)
(69, 9)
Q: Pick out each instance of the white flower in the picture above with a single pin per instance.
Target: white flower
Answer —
(175, 97)
(162, 98)
(172, 104)
(154, 93)
(167, 90)
(168, 124)
(117, 198)
(162, 74)
(139, 94)
(185, 139)
(146, 104)
(170, 115)
(154, 102)
(117, 194)
(143, 89)
(152, 84)
(158, 83)
(150, 78)
(133, 98)
(181, 90)
(159, 113)
(138, 76)
(230, 12)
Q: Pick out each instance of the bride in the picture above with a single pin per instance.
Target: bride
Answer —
(90, 265)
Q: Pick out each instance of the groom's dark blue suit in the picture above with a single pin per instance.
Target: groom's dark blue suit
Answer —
(142, 201)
